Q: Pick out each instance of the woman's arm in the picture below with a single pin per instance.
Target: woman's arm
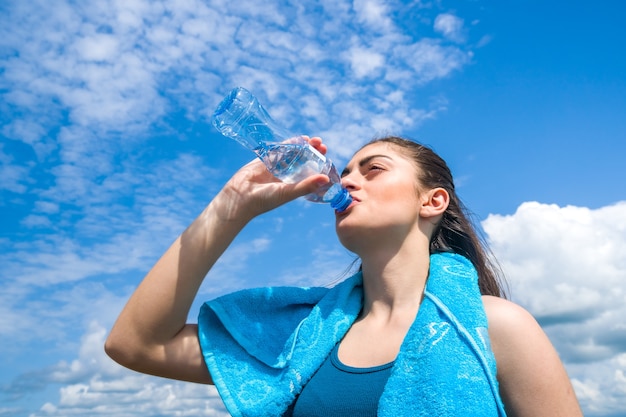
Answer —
(533, 381)
(151, 334)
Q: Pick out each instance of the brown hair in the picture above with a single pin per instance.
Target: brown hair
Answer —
(455, 233)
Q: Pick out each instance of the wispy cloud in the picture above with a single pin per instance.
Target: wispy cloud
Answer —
(106, 66)
(450, 26)
(13, 175)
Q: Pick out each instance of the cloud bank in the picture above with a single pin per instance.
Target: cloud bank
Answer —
(567, 265)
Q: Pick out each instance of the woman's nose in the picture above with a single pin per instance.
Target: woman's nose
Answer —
(348, 182)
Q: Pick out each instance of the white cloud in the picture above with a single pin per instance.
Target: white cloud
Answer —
(13, 177)
(164, 205)
(228, 273)
(601, 388)
(106, 389)
(373, 13)
(450, 26)
(429, 60)
(98, 47)
(567, 266)
(574, 254)
(65, 274)
(107, 64)
(365, 62)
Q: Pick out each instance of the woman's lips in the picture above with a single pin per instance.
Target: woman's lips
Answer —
(352, 204)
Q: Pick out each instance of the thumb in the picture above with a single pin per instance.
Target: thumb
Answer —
(309, 185)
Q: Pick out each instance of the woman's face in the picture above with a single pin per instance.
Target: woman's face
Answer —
(383, 185)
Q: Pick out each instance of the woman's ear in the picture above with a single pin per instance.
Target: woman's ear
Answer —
(434, 202)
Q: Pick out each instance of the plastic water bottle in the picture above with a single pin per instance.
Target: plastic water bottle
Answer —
(289, 158)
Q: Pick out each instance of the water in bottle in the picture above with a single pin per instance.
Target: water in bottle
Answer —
(289, 158)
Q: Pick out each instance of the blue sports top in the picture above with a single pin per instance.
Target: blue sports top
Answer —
(342, 391)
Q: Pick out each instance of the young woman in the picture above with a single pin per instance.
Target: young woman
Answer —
(407, 335)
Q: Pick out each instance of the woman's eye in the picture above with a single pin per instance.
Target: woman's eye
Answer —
(375, 168)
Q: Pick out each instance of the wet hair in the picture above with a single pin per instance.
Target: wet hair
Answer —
(455, 232)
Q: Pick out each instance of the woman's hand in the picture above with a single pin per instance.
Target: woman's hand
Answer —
(253, 190)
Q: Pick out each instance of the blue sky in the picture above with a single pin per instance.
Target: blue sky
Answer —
(107, 153)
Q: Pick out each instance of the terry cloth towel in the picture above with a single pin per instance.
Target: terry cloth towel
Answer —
(262, 345)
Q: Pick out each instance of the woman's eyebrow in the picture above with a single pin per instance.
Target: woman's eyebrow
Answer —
(364, 161)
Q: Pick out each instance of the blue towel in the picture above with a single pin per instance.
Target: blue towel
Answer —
(262, 345)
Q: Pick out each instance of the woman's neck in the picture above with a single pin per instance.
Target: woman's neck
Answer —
(394, 283)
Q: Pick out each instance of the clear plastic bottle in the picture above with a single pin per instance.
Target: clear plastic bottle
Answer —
(289, 158)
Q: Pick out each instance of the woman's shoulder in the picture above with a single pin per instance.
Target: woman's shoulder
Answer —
(518, 342)
(532, 378)
(502, 312)
(509, 321)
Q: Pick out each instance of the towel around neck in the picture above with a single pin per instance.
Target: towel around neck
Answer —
(262, 345)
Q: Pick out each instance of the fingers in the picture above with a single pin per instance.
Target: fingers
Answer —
(317, 143)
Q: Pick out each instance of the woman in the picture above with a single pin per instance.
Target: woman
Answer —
(404, 222)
